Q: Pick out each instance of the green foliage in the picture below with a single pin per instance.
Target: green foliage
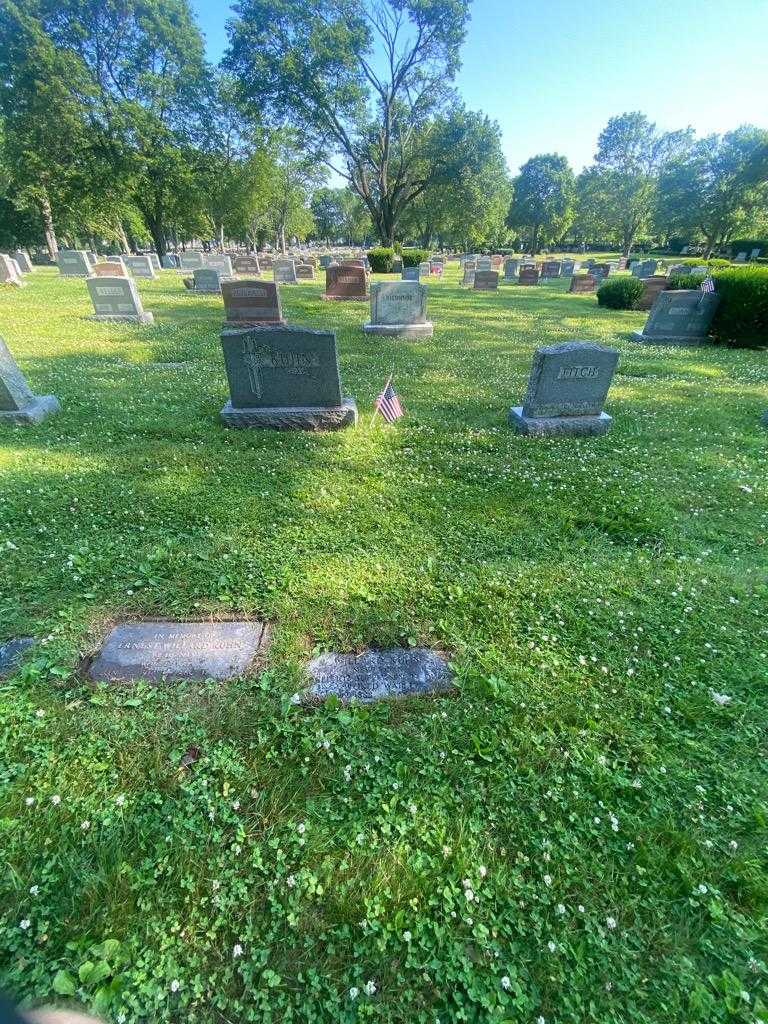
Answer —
(747, 245)
(543, 199)
(381, 260)
(620, 292)
(680, 281)
(413, 257)
(339, 215)
(742, 315)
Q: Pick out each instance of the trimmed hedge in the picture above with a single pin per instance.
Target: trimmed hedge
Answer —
(742, 316)
(413, 257)
(620, 292)
(711, 264)
(381, 260)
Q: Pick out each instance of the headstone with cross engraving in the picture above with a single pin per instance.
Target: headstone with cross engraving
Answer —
(284, 378)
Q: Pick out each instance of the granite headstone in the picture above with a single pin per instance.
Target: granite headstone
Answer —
(252, 302)
(116, 299)
(399, 309)
(18, 403)
(680, 317)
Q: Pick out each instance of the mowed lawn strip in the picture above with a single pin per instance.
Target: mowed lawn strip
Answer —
(578, 834)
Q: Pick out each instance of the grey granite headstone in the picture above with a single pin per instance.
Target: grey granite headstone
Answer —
(11, 652)
(10, 273)
(399, 310)
(207, 280)
(410, 274)
(284, 272)
(251, 302)
(511, 267)
(18, 404)
(284, 378)
(117, 298)
(191, 260)
(551, 268)
(23, 260)
(567, 389)
(377, 675)
(645, 268)
(139, 266)
(397, 265)
(246, 265)
(179, 650)
(483, 263)
(325, 260)
(680, 317)
(568, 267)
(171, 261)
(154, 260)
(305, 272)
(486, 281)
(220, 262)
(73, 263)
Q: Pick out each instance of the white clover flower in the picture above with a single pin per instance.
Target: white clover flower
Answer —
(85, 825)
(296, 698)
(34, 890)
(610, 922)
(547, 879)
(175, 985)
(551, 946)
(237, 950)
(412, 808)
(580, 908)
(701, 888)
(560, 908)
(721, 699)
(540, 1020)
(301, 828)
(482, 870)
(506, 983)
(407, 936)
(354, 992)
(446, 851)
(236, 805)
(56, 800)
(29, 800)
(120, 799)
(25, 924)
(469, 895)
(369, 988)
(733, 844)
(290, 881)
(39, 713)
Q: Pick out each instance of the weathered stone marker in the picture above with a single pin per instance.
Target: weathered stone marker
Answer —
(305, 272)
(246, 265)
(171, 261)
(511, 268)
(108, 269)
(11, 653)
(347, 282)
(10, 272)
(18, 404)
(251, 302)
(528, 275)
(652, 286)
(486, 281)
(206, 280)
(284, 272)
(551, 268)
(567, 389)
(377, 675)
(567, 267)
(73, 263)
(399, 310)
(680, 317)
(140, 266)
(23, 260)
(410, 273)
(284, 378)
(179, 650)
(117, 299)
(583, 283)
(220, 262)
(483, 263)
(191, 260)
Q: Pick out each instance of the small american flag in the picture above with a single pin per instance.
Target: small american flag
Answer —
(707, 285)
(388, 404)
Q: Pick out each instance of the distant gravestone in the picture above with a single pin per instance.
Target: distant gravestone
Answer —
(399, 310)
(377, 675)
(496, 262)
(284, 378)
(246, 265)
(468, 278)
(486, 281)
(483, 263)
(18, 404)
(251, 302)
(284, 272)
(567, 389)
(346, 282)
(207, 281)
(583, 283)
(305, 272)
(108, 269)
(410, 274)
(139, 266)
(73, 263)
(551, 268)
(699, 268)
(424, 269)
(600, 270)
(217, 261)
(511, 268)
(528, 275)
(191, 260)
(325, 260)
(11, 651)
(154, 260)
(91, 256)
(645, 268)
(9, 271)
(160, 651)
(567, 268)
(265, 259)
(680, 317)
(741, 257)
(651, 288)
(117, 299)
(753, 255)
(23, 260)
(171, 261)
(397, 265)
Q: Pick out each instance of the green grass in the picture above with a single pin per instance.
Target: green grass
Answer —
(592, 595)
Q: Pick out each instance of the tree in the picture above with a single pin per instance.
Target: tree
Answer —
(294, 177)
(339, 214)
(711, 192)
(630, 155)
(361, 77)
(543, 201)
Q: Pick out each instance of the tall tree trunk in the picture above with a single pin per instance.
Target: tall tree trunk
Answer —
(48, 228)
(157, 232)
(122, 239)
(221, 236)
(535, 240)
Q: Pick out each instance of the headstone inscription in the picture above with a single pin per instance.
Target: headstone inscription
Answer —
(583, 283)
(246, 265)
(567, 390)
(251, 302)
(217, 261)
(486, 281)
(206, 280)
(651, 288)
(284, 272)
(140, 266)
(18, 404)
(511, 267)
(305, 272)
(410, 273)
(191, 260)
(9, 271)
(399, 310)
(377, 675)
(23, 260)
(346, 282)
(551, 268)
(117, 298)
(680, 317)
(74, 263)
(528, 275)
(108, 269)
(160, 651)
(284, 378)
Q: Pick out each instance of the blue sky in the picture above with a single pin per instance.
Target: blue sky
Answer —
(552, 72)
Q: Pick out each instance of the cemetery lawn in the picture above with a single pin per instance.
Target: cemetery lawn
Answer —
(577, 835)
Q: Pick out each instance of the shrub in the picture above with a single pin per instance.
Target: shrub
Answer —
(712, 264)
(742, 316)
(413, 257)
(620, 292)
(748, 244)
(679, 280)
(381, 260)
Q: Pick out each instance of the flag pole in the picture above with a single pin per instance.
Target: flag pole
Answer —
(376, 408)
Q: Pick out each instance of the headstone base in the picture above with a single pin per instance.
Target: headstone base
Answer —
(346, 298)
(424, 330)
(306, 417)
(38, 410)
(123, 318)
(563, 426)
(667, 339)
